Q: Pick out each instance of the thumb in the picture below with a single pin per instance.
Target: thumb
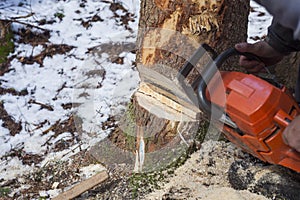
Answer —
(245, 47)
(258, 48)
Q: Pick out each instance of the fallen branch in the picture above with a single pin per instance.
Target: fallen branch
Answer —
(43, 106)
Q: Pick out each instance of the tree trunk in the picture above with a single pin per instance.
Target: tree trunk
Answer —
(170, 31)
(161, 122)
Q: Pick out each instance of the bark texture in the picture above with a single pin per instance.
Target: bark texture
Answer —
(170, 31)
(287, 69)
(161, 115)
(220, 23)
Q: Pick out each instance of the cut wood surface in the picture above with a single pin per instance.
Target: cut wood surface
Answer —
(83, 186)
(166, 96)
(169, 34)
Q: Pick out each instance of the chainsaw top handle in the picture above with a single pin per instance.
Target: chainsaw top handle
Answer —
(210, 70)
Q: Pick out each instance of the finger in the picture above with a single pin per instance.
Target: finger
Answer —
(242, 47)
(256, 69)
(251, 48)
(246, 63)
(293, 142)
(263, 70)
(284, 136)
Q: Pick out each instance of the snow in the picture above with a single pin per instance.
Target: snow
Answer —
(65, 73)
(63, 78)
(12, 169)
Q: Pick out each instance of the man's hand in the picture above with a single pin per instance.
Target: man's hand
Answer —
(291, 134)
(263, 51)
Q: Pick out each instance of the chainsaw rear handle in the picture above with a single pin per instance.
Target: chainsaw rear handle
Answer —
(210, 70)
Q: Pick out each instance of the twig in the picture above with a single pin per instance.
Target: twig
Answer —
(48, 107)
(20, 17)
(4, 7)
(26, 24)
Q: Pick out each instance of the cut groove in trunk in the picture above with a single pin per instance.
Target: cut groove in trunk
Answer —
(170, 31)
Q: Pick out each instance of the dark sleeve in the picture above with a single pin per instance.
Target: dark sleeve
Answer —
(281, 39)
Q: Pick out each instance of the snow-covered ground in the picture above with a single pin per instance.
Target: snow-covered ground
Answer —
(99, 86)
(94, 82)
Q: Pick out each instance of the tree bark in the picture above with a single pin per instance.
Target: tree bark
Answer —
(170, 31)
(161, 121)
(286, 70)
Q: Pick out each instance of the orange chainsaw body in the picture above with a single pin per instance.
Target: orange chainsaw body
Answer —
(261, 112)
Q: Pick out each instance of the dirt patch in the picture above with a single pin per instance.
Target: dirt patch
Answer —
(49, 51)
(54, 175)
(113, 50)
(28, 36)
(63, 126)
(9, 122)
(122, 20)
(26, 158)
(13, 91)
(88, 23)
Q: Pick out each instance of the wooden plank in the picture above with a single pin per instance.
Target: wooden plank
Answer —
(83, 186)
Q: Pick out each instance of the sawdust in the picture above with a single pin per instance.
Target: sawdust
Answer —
(205, 176)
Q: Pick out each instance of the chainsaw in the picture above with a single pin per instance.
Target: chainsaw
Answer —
(254, 111)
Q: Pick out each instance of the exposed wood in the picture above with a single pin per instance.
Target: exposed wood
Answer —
(165, 95)
(160, 112)
(170, 32)
(83, 186)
